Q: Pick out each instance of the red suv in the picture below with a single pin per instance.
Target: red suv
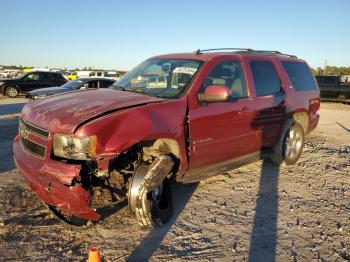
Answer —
(173, 117)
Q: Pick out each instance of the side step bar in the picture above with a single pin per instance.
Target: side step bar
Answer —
(216, 169)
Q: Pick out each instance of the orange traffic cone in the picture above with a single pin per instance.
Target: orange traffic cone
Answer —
(94, 255)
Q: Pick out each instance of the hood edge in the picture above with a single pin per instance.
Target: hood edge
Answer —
(110, 112)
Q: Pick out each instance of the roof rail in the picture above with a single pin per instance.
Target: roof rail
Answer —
(244, 50)
(199, 51)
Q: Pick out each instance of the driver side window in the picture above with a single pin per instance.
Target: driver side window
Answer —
(32, 77)
(229, 74)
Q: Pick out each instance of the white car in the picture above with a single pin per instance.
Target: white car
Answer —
(9, 73)
(99, 74)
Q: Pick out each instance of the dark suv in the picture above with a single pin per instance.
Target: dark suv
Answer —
(177, 117)
(30, 81)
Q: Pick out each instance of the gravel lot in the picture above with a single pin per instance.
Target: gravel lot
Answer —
(258, 213)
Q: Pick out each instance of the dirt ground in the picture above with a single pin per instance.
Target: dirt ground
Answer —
(257, 213)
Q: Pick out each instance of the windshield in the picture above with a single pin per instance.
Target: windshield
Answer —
(165, 78)
(23, 75)
(73, 84)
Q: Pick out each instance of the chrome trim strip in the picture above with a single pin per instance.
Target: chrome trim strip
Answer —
(31, 128)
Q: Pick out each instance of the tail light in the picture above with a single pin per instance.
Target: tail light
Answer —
(314, 105)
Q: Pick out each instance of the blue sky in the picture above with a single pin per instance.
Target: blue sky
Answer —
(120, 34)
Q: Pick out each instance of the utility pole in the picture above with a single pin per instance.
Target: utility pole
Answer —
(325, 67)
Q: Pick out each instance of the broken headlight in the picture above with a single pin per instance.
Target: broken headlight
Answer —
(75, 148)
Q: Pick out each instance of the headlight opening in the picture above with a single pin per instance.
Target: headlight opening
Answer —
(73, 147)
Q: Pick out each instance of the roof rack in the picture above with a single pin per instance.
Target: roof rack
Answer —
(244, 50)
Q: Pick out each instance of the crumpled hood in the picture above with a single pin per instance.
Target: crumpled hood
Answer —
(63, 113)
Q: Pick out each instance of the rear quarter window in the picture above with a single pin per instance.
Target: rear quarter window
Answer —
(300, 76)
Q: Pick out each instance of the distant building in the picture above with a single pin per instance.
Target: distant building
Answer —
(345, 79)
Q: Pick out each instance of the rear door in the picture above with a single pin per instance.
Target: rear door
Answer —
(269, 103)
(47, 80)
(59, 79)
(222, 131)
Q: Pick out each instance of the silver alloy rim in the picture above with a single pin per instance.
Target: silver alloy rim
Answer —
(12, 92)
(293, 143)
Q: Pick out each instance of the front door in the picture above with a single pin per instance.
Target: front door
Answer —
(31, 81)
(222, 131)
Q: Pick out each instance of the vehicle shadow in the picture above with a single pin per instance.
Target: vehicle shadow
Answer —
(8, 130)
(346, 129)
(264, 234)
(144, 251)
(263, 241)
(7, 109)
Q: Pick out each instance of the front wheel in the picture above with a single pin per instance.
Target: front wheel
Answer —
(290, 145)
(11, 91)
(150, 193)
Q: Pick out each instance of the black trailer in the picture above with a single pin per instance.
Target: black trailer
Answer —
(332, 89)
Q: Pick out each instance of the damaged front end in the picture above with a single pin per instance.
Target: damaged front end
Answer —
(46, 180)
(79, 175)
(89, 190)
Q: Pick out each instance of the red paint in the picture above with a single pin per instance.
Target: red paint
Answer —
(218, 131)
(50, 188)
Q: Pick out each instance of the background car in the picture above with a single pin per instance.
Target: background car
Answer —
(79, 84)
(30, 81)
(10, 73)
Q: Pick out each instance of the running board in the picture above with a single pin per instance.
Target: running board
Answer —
(216, 169)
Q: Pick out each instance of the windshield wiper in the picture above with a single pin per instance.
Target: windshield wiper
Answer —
(140, 91)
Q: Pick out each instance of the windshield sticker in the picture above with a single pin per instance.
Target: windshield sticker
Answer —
(185, 70)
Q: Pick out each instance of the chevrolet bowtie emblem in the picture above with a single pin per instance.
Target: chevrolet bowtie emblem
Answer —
(24, 133)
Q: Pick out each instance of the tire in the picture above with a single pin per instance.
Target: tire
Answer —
(11, 91)
(290, 145)
(152, 204)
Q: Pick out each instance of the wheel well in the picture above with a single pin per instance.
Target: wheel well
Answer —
(149, 150)
(163, 146)
(303, 119)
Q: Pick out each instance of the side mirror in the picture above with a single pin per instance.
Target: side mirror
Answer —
(215, 93)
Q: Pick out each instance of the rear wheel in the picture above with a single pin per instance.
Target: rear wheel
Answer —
(150, 194)
(290, 145)
(11, 91)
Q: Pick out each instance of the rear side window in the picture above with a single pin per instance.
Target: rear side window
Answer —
(266, 79)
(300, 75)
(105, 84)
(93, 84)
(55, 77)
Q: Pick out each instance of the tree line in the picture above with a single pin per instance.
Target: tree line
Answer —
(331, 70)
(327, 70)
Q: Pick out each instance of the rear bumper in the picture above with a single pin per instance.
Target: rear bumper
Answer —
(47, 177)
(314, 119)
